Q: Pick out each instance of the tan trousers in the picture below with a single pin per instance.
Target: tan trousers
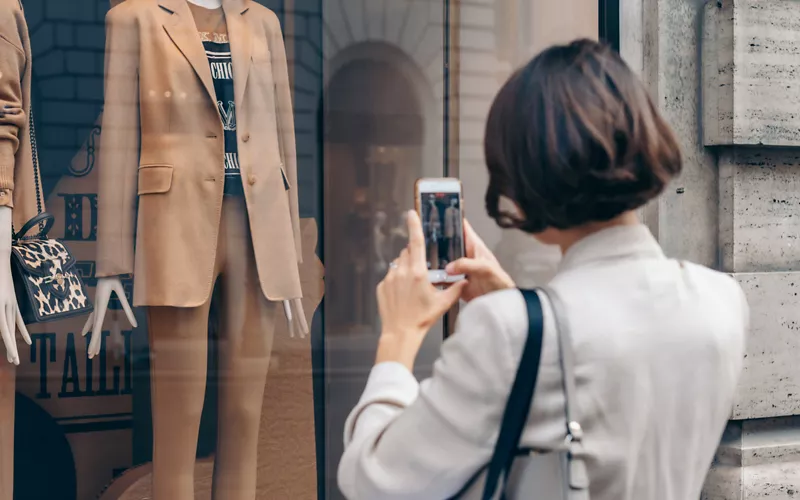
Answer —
(8, 373)
(178, 344)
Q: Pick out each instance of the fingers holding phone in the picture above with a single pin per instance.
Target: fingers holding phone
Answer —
(481, 268)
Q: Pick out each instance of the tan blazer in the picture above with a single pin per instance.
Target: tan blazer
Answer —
(162, 139)
(17, 186)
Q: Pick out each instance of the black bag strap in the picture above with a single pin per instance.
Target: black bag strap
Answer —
(42, 218)
(35, 158)
(520, 398)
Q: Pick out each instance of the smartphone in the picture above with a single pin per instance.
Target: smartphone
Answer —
(439, 203)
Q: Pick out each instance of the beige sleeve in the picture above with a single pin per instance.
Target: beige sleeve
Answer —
(118, 155)
(285, 112)
(12, 112)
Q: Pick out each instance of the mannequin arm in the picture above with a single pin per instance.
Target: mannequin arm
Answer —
(285, 113)
(105, 287)
(9, 310)
(118, 156)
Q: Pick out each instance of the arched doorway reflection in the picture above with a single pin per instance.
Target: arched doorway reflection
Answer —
(374, 132)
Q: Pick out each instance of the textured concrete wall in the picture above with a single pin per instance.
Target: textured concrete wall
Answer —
(757, 460)
(770, 383)
(752, 60)
(685, 217)
(758, 213)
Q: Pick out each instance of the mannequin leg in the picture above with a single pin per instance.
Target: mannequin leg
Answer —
(8, 373)
(245, 344)
(178, 346)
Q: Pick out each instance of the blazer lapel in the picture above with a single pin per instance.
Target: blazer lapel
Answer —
(241, 40)
(181, 29)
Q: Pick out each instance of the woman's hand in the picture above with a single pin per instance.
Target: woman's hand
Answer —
(483, 272)
(408, 303)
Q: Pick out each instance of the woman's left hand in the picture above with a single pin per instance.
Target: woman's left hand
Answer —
(408, 303)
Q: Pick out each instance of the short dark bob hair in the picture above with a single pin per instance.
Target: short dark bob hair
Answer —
(573, 138)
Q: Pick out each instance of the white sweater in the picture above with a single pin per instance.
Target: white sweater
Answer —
(658, 351)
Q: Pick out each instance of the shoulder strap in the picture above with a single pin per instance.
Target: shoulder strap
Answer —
(578, 475)
(37, 181)
(519, 400)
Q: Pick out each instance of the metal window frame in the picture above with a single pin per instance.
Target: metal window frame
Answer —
(608, 22)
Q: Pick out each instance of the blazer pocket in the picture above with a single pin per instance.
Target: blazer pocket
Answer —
(155, 179)
(286, 184)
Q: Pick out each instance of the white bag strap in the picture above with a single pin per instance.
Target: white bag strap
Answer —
(578, 475)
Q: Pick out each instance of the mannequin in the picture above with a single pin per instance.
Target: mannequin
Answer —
(187, 85)
(452, 229)
(434, 235)
(18, 195)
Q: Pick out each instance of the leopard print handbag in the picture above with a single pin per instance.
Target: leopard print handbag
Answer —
(46, 281)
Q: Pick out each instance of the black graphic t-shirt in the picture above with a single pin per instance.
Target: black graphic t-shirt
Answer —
(213, 33)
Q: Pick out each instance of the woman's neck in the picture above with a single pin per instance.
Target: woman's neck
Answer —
(207, 4)
(571, 236)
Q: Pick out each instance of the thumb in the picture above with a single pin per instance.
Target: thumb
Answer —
(467, 266)
(450, 296)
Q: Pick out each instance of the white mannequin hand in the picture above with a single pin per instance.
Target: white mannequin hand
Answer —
(301, 317)
(9, 309)
(287, 310)
(105, 286)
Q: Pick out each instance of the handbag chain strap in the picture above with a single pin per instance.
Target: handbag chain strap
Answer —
(35, 157)
(36, 178)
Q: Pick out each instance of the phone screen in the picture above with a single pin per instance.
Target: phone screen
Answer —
(442, 225)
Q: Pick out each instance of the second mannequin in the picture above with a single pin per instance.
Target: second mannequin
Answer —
(198, 127)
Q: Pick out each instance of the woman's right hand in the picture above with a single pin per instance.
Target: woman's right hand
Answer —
(483, 272)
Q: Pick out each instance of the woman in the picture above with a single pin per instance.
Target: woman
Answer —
(576, 145)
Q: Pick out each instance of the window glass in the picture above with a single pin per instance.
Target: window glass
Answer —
(209, 163)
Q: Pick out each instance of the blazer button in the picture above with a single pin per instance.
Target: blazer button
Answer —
(251, 179)
(246, 137)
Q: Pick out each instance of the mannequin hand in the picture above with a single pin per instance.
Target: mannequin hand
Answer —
(94, 324)
(301, 317)
(9, 310)
(287, 310)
